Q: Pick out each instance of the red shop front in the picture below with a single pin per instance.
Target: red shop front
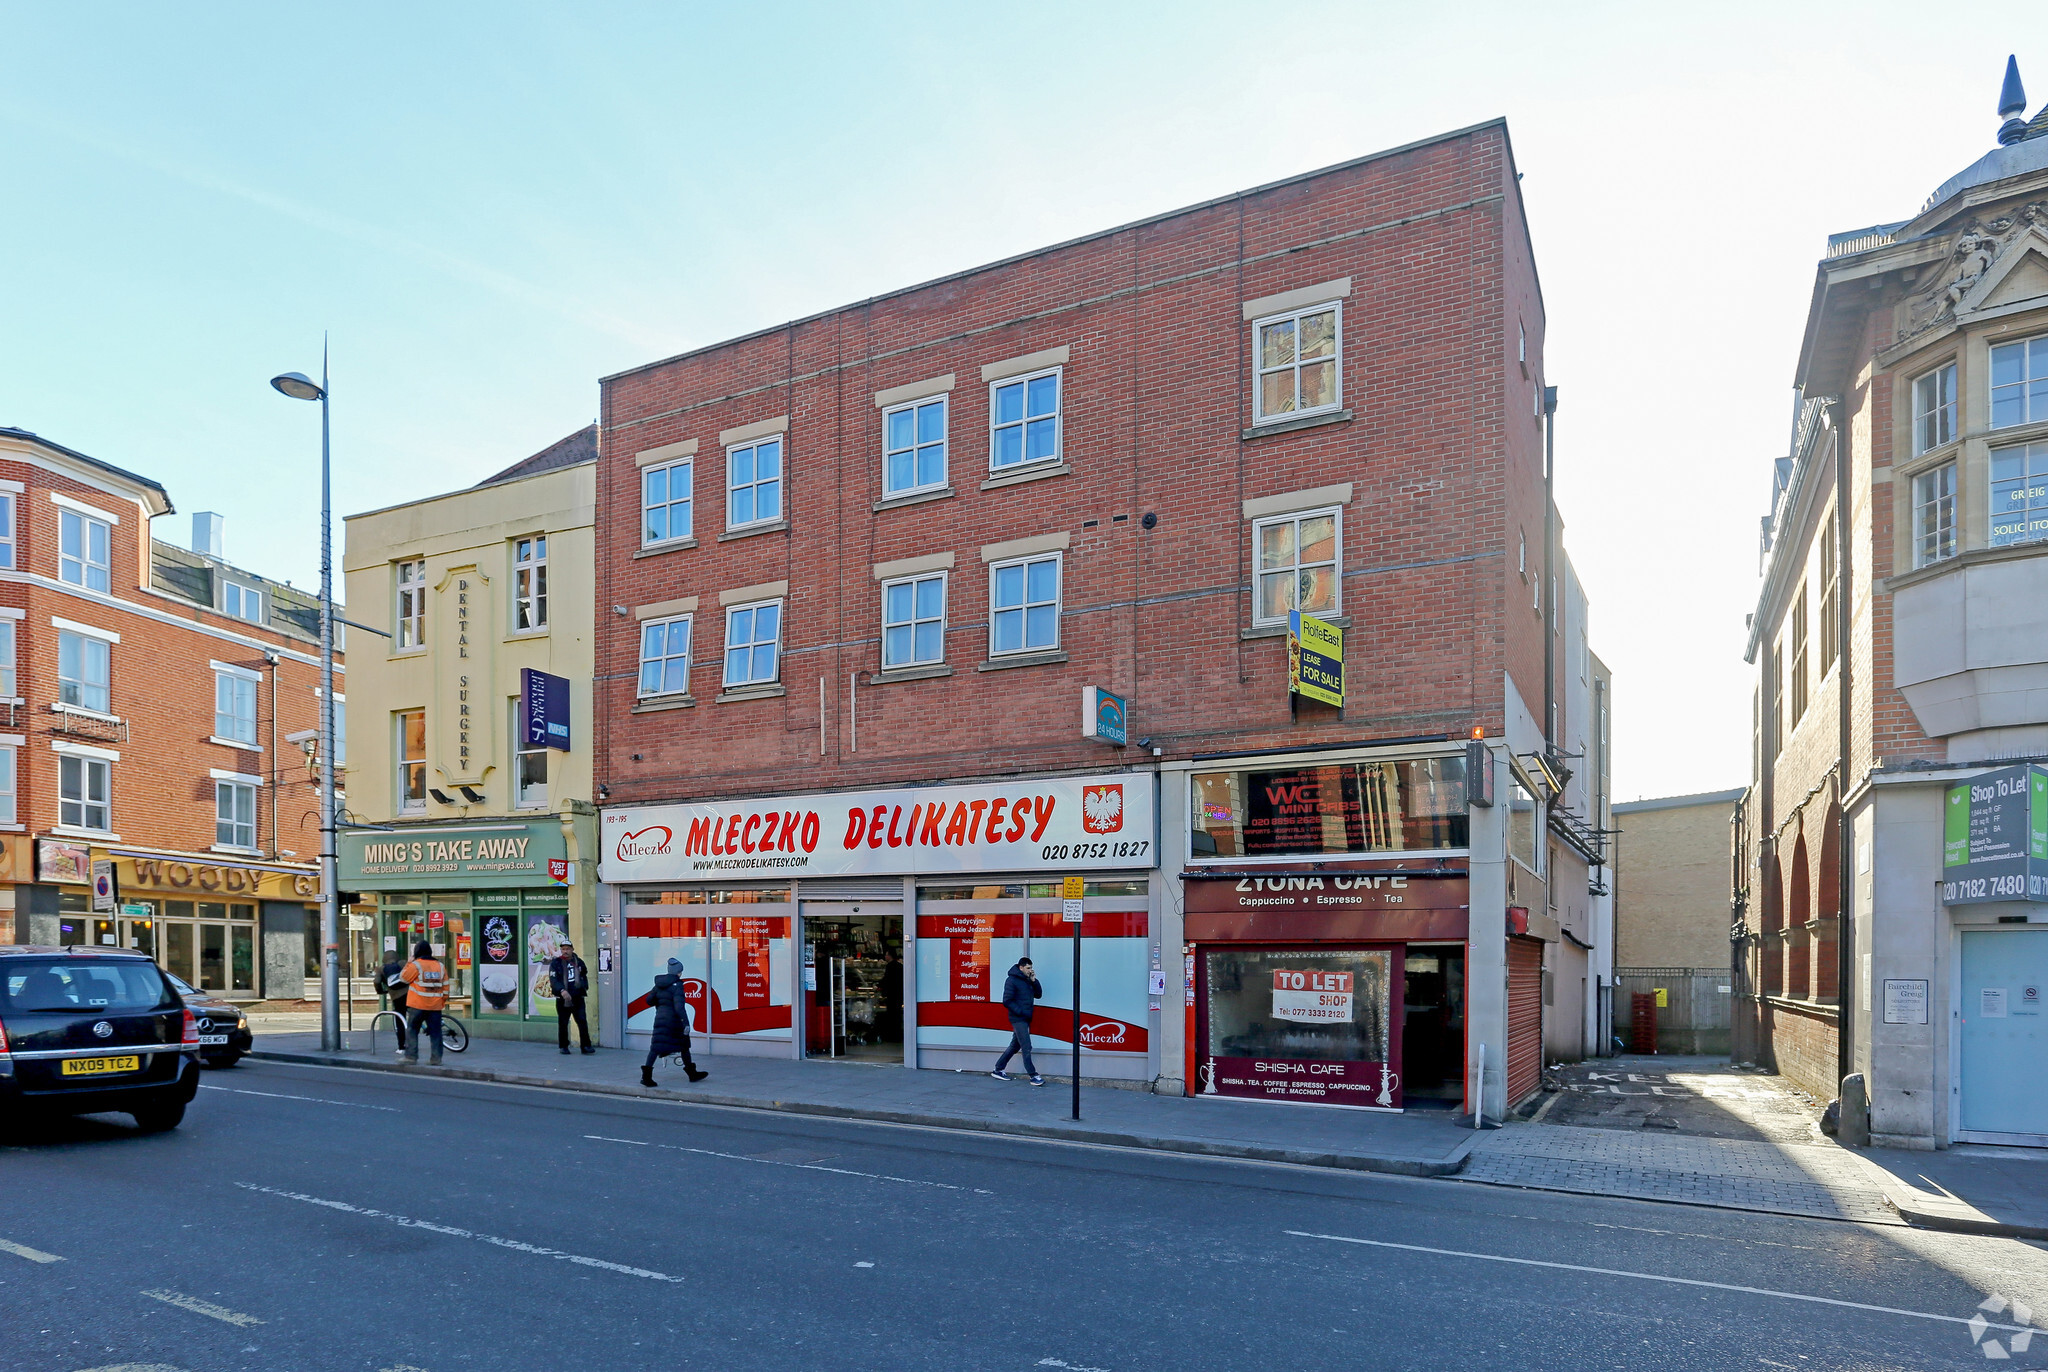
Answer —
(1330, 986)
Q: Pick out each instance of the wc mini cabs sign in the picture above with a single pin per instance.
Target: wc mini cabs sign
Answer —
(1315, 659)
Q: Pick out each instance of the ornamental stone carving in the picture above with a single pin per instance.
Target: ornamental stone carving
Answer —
(1978, 245)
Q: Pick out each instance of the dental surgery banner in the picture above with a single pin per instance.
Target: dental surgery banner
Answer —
(1084, 823)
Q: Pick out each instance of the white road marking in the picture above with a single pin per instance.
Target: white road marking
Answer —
(863, 1264)
(514, 1244)
(1070, 1366)
(317, 1100)
(23, 1251)
(1655, 1276)
(800, 1166)
(134, 1367)
(206, 1308)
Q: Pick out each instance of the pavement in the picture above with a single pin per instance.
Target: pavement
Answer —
(322, 1220)
(1685, 1131)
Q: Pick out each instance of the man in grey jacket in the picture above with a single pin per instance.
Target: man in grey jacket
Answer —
(1021, 994)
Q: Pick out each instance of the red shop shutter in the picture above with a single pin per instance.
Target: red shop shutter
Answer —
(1525, 1018)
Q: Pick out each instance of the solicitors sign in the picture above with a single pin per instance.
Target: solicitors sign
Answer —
(1995, 837)
(1090, 823)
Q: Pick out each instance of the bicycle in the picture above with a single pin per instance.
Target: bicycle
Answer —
(454, 1034)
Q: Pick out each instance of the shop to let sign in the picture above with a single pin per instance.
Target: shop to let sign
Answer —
(1315, 658)
(1995, 837)
(1312, 997)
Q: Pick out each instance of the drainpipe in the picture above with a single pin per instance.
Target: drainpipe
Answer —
(1549, 595)
(1845, 866)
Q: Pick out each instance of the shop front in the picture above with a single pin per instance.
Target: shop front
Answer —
(237, 929)
(879, 926)
(1326, 929)
(495, 899)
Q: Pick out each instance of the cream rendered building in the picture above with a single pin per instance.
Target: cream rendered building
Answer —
(462, 831)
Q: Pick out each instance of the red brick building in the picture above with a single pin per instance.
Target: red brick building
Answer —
(888, 547)
(154, 697)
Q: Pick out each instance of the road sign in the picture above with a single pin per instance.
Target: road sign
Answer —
(137, 911)
(1071, 887)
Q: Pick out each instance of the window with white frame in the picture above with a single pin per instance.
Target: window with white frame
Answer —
(914, 621)
(6, 530)
(10, 807)
(529, 765)
(530, 584)
(1934, 515)
(666, 494)
(2019, 382)
(340, 725)
(665, 657)
(914, 447)
(7, 683)
(411, 580)
(2019, 493)
(1298, 556)
(1934, 409)
(753, 482)
(84, 785)
(1024, 420)
(243, 602)
(1296, 362)
(753, 633)
(234, 814)
(83, 671)
(1024, 605)
(234, 706)
(84, 556)
(411, 730)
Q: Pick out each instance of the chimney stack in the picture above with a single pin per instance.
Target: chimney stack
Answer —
(206, 527)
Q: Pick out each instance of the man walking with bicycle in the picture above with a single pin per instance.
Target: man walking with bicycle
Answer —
(426, 995)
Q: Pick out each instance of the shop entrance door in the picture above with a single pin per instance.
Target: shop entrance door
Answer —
(1433, 1025)
(2003, 1083)
(853, 981)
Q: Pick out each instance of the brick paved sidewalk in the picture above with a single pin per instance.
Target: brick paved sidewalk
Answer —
(1817, 1180)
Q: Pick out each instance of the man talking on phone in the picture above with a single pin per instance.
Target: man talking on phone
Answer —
(1021, 994)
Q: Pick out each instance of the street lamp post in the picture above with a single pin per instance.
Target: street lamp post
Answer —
(299, 386)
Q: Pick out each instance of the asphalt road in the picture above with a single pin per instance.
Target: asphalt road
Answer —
(309, 1218)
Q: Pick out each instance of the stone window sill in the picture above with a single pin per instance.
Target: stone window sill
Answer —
(654, 704)
(235, 744)
(1288, 426)
(1032, 474)
(767, 692)
(1280, 630)
(1003, 664)
(897, 502)
(773, 526)
(927, 673)
(673, 545)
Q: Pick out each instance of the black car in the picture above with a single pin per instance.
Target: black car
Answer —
(85, 1030)
(223, 1029)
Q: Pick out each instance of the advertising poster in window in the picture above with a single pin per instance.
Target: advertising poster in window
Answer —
(545, 935)
(963, 960)
(1320, 1025)
(1388, 806)
(497, 963)
(735, 970)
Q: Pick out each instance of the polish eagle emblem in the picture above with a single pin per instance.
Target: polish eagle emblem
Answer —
(1102, 809)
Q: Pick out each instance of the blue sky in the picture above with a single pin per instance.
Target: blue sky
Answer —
(490, 206)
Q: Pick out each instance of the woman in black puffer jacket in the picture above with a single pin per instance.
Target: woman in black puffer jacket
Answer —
(671, 1025)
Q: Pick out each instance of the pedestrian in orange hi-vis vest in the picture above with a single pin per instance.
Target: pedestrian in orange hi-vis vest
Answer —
(426, 994)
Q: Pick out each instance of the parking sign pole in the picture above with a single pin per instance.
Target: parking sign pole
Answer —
(1070, 910)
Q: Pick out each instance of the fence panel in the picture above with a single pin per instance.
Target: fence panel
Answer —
(1695, 1013)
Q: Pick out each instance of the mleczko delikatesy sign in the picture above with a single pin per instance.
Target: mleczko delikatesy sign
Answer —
(1995, 837)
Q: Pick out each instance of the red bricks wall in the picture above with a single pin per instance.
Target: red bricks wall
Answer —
(160, 682)
(1442, 449)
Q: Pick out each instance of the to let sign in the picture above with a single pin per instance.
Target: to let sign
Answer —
(1995, 837)
(1315, 658)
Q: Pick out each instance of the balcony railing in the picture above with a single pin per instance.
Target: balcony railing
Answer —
(76, 721)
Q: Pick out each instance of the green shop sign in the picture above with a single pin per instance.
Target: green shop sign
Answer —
(1995, 837)
(496, 853)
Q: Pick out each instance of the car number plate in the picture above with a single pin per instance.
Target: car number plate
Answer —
(213, 1040)
(99, 1067)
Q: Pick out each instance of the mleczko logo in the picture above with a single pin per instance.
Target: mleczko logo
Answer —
(652, 841)
(1102, 809)
(1108, 1034)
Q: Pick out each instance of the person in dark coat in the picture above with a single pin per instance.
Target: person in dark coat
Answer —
(671, 1025)
(890, 991)
(569, 979)
(1021, 994)
(388, 982)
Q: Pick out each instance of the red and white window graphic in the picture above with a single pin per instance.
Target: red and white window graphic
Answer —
(1102, 809)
